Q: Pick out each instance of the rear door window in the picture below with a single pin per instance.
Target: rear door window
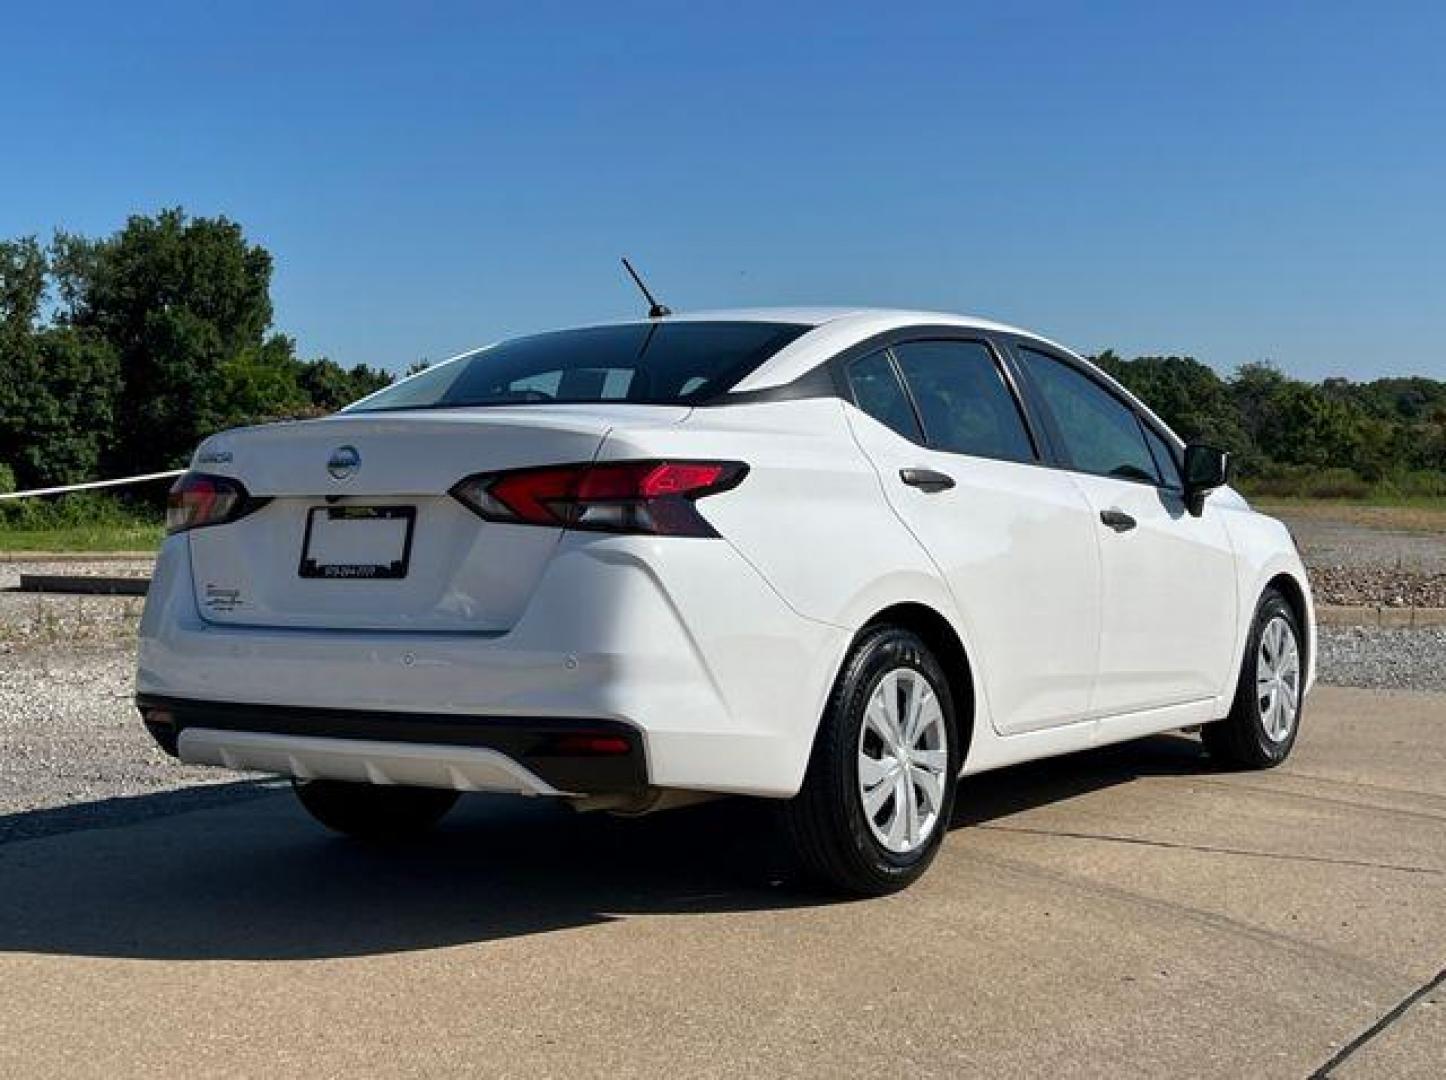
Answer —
(963, 400)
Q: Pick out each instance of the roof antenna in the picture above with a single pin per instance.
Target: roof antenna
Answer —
(657, 310)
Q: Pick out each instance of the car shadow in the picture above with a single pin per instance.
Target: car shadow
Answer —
(237, 871)
(1004, 792)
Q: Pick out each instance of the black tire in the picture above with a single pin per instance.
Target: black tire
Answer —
(1241, 740)
(828, 832)
(373, 812)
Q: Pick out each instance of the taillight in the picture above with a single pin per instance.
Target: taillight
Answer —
(198, 499)
(655, 497)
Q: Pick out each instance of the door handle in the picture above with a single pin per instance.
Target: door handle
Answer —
(926, 479)
(1117, 520)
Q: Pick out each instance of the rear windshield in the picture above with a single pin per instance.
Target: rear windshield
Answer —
(678, 363)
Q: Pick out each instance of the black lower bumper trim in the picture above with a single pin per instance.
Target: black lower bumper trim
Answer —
(593, 757)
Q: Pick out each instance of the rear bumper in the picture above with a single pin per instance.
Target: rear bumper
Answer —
(535, 756)
(681, 643)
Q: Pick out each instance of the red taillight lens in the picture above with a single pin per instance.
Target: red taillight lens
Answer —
(653, 497)
(590, 745)
(198, 499)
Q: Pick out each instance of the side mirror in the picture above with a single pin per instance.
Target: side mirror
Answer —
(1206, 469)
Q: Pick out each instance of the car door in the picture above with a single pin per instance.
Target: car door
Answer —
(1015, 541)
(1168, 614)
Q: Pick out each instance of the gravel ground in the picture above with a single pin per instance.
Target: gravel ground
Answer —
(1376, 586)
(1367, 557)
(29, 620)
(35, 619)
(1368, 538)
(1384, 659)
(69, 733)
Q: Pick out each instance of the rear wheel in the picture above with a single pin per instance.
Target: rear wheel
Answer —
(1265, 716)
(373, 812)
(879, 791)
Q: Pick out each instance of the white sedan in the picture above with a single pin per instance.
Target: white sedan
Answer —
(835, 559)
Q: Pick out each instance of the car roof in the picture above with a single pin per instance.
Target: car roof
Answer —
(833, 329)
(836, 329)
(820, 316)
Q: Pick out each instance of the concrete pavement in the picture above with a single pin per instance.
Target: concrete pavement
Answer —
(1128, 912)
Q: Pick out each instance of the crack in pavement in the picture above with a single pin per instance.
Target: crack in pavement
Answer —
(1346, 966)
(1211, 850)
(1402, 1008)
(1436, 795)
(1426, 815)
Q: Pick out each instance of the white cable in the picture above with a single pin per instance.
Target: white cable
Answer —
(95, 484)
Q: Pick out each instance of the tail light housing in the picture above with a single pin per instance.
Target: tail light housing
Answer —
(650, 497)
(199, 499)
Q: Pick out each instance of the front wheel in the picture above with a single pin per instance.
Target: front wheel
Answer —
(1265, 716)
(373, 812)
(879, 791)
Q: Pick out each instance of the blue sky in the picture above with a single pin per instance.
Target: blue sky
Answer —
(1232, 181)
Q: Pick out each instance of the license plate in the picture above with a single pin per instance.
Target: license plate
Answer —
(357, 542)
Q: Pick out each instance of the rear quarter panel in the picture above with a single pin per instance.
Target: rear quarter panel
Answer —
(810, 516)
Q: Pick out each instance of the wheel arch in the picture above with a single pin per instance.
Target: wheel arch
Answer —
(1295, 596)
(943, 640)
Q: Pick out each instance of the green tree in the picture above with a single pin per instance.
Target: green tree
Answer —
(1186, 394)
(260, 384)
(23, 270)
(182, 302)
(329, 386)
(119, 354)
(159, 336)
(22, 286)
(58, 407)
(57, 384)
(1308, 427)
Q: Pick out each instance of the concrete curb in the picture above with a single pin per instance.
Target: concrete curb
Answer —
(1326, 614)
(83, 584)
(1390, 617)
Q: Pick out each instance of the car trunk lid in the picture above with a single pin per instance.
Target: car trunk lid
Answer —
(359, 532)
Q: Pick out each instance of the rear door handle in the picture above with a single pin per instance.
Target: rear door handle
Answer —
(1117, 520)
(926, 479)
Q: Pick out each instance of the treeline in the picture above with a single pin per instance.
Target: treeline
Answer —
(1334, 439)
(119, 354)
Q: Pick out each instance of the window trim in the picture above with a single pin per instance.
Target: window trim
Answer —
(899, 381)
(1177, 468)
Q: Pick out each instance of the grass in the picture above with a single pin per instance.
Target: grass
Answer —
(1414, 515)
(96, 523)
(1379, 499)
(89, 523)
(1411, 501)
(1421, 487)
(94, 538)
